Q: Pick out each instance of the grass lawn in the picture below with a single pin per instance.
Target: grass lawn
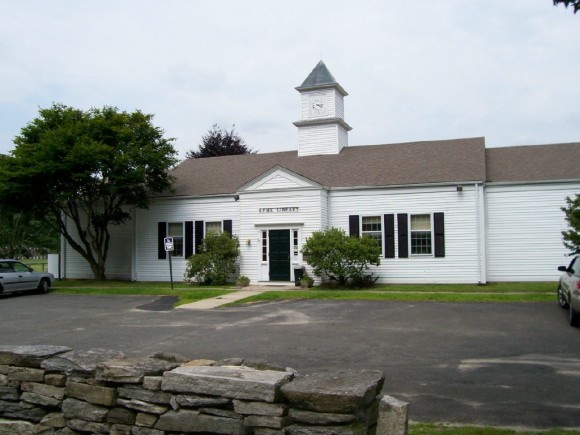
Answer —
(439, 428)
(185, 292)
(40, 265)
(495, 292)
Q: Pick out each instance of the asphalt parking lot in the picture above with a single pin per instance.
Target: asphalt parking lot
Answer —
(493, 364)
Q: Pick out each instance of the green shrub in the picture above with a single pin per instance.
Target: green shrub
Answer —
(340, 258)
(306, 281)
(215, 264)
(243, 281)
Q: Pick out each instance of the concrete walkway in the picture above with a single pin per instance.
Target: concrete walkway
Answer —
(245, 292)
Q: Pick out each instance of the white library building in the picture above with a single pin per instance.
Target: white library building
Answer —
(443, 211)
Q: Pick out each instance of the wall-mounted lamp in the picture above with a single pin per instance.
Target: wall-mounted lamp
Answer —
(460, 188)
(249, 242)
(236, 197)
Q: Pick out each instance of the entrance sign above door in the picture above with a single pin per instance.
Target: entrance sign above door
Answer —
(280, 210)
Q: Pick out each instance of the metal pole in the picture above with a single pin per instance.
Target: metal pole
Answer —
(170, 270)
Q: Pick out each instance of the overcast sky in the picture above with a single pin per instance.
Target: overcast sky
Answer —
(414, 70)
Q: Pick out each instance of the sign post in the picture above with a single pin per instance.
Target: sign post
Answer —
(168, 241)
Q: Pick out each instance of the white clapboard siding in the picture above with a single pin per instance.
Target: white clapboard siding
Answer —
(318, 140)
(524, 230)
(119, 257)
(147, 266)
(462, 261)
(339, 104)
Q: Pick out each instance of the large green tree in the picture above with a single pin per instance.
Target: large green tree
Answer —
(220, 142)
(80, 172)
(574, 3)
(572, 235)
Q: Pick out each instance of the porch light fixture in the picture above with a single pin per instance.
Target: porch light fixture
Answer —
(459, 188)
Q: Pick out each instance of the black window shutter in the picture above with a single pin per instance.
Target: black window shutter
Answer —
(353, 225)
(439, 221)
(403, 235)
(228, 226)
(389, 235)
(161, 234)
(188, 239)
(198, 235)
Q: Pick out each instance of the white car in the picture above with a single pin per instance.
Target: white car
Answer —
(16, 277)
(569, 290)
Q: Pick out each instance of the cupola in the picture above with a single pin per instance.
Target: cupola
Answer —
(321, 129)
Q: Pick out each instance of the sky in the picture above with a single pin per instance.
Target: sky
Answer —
(414, 70)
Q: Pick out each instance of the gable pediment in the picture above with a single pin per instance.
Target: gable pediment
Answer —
(278, 178)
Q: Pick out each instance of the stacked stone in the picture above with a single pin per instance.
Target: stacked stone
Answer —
(225, 399)
(29, 394)
(52, 390)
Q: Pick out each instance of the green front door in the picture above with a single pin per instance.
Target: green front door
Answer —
(279, 241)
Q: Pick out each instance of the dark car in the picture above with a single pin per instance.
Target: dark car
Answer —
(569, 290)
(16, 276)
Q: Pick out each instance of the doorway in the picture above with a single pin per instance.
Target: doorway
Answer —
(279, 242)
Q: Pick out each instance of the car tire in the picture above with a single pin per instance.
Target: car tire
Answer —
(573, 316)
(43, 285)
(561, 299)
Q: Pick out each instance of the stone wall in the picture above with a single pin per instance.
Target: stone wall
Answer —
(56, 390)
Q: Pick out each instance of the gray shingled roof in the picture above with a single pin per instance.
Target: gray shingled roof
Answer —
(320, 77)
(534, 163)
(452, 161)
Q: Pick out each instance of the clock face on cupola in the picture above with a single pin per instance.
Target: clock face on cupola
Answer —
(318, 106)
(322, 129)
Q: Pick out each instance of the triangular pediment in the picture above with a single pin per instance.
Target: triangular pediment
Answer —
(278, 178)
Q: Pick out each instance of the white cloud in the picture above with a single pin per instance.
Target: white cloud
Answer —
(414, 70)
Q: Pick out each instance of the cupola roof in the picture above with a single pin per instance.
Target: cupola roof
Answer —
(320, 77)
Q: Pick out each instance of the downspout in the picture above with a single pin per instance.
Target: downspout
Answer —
(328, 211)
(480, 228)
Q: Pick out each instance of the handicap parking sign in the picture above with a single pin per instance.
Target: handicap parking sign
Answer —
(168, 241)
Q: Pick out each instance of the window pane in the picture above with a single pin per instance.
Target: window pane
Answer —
(264, 246)
(295, 242)
(372, 223)
(213, 227)
(421, 237)
(371, 227)
(421, 222)
(177, 247)
(175, 229)
(421, 242)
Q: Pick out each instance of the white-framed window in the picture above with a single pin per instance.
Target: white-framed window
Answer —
(372, 227)
(264, 246)
(175, 230)
(295, 243)
(213, 227)
(421, 234)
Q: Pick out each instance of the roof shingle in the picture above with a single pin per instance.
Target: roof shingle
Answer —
(452, 161)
